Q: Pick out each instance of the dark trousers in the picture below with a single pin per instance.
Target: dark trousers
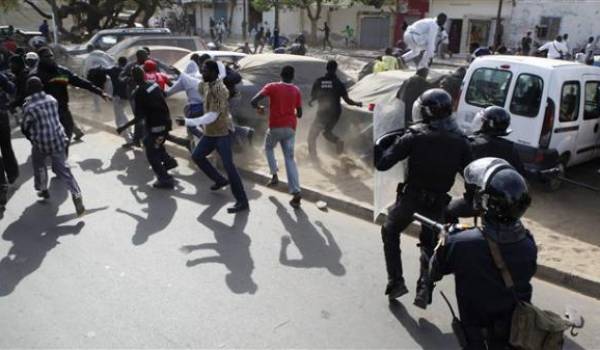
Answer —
(9, 167)
(68, 123)
(222, 144)
(154, 145)
(326, 43)
(324, 123)
(398, 219)
(489, 338)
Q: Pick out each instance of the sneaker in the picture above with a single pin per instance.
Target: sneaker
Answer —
(78, 134)
(79, 208)
(170, 163)
(165, 185)
(238, 207)
(273, 181)
(43, 194)
(217, 187)
(395, 290)
(295, 202)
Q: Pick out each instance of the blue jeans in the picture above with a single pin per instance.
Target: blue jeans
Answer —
(194, 110)
(59, 166)
(154, 145)
(286, 137)
(222, 144)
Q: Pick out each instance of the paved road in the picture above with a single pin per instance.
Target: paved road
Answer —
(152, 268)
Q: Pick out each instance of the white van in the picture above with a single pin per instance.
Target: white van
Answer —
(555, 106)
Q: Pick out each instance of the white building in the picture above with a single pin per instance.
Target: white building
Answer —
(475, 21)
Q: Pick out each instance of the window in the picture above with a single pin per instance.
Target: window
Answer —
(527, 96)
(569, 102)
(591, 108)
(549, 28)
(107, 41)
(488, 87)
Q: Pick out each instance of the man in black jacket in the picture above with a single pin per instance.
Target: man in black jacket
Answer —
(56, 80)
(436, 151)
(151, 107)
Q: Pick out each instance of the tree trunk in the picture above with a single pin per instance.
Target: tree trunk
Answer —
(232, 4)
(314, 29)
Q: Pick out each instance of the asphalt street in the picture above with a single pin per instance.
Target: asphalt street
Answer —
(165, 269)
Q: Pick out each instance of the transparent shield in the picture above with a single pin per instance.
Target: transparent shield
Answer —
(387, 117)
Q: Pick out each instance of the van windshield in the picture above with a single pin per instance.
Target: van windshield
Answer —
(488, 87)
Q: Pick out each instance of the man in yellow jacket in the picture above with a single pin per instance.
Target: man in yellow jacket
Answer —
(386, 62)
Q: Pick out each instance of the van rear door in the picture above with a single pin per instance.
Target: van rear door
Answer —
(588, 137)
(567, 125)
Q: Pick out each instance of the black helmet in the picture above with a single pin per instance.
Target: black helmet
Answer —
(501, 193)
(493, 120)
(433, 104)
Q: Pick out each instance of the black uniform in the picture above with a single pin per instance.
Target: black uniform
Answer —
(483, 300)
(151, 107)
(483, 146)
(327, 90)
(409, 92)
(9, 167)
(56, 80)
(436, 153)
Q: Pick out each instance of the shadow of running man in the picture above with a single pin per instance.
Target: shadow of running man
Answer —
(316, 251)
(232, 248)
(33, 235)
(161, 207)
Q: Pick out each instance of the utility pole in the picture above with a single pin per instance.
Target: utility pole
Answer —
(276, 5)
(498, 36)
(245, 21)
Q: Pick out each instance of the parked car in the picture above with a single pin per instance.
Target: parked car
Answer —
(555, 106)
(227, 57)
(24, 38)
(107, 38)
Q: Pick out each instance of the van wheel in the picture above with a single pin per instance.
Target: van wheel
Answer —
(554, 183)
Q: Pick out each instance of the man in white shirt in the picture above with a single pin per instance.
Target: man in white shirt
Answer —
(556, 49)
(421, 38)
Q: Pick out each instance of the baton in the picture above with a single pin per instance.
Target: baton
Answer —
(429, 223)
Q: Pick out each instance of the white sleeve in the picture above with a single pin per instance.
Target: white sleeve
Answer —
(207, 118)
(546, 46)
(175, 88)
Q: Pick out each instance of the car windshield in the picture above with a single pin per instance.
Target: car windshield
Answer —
(488, 87)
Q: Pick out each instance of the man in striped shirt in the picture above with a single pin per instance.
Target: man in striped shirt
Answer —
(42, 127)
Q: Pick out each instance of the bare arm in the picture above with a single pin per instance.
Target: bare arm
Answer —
(256, 99)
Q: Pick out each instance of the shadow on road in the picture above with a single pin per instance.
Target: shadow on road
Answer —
(316, 251)
(232, 249)
(161, 208)
(428, 335)
(33, 235)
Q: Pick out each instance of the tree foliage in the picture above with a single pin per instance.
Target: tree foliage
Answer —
(92, 15)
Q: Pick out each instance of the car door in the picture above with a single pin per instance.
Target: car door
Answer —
(589, 133)
(569, 116)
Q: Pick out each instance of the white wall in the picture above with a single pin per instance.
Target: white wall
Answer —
(580, 19)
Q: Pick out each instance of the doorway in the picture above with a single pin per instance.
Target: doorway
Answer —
(454, 35)
(479, 32)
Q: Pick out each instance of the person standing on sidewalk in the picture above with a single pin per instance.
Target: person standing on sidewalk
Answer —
(326, 31)
(9, 168)
(42, 127)
(151, 106)
(328, 90)
(259, 40)
(56, 80)
(218, 134)
(285, 107)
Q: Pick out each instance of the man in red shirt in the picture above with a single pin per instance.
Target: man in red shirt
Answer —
(285, 106)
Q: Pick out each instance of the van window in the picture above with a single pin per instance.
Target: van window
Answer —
(488, 87)
(569, 102)
(527, 96)
(591, 109)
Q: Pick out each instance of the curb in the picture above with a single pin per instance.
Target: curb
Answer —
(549, 274)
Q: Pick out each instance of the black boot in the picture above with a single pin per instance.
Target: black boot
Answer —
(393, 263)
(424, 285)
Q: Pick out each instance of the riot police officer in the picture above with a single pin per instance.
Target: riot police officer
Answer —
(489, 125)
(436, 152)
(485, 303)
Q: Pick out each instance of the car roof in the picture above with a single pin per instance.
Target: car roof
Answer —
(134, 30)
(540, 62)
(185, 59)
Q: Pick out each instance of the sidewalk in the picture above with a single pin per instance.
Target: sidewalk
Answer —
(346, 185)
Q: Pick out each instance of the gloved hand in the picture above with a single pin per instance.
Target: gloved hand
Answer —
(384, 142)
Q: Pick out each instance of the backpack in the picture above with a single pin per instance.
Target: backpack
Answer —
(531, 328)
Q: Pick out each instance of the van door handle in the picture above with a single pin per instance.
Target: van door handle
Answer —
(596, 128)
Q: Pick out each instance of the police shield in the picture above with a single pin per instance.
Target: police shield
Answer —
(388, 116)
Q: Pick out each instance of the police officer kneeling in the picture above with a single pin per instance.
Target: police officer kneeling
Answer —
(436, 152)
(485, 304)
(489, 125)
